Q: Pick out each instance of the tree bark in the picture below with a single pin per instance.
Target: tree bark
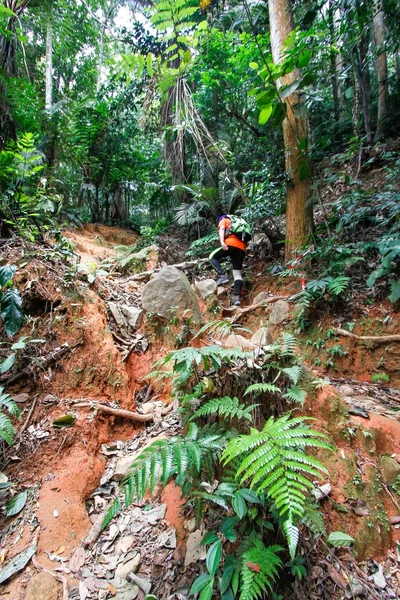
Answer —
(363, 93)
(49, 66)
(339, 56)
(383, 91)
(299, 213)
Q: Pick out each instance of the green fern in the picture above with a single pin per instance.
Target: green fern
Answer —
(260, 566)
(263, 388)
(313, 519)
(287, 344)
(274, 460)
(226, 407)
(296, 394)
(338, 285)
(7, 429)
(222, 327)
(111, 512)
(163, 459)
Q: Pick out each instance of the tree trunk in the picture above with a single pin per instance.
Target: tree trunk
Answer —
(338, 57)
(332, 57)
(49, 66)
(299, 213)
(364, 99)
(383, 91)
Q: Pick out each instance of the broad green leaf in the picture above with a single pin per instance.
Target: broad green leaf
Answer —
(226, 578)
(16, 504)
(265, 114)
(395, 293)
(6, 274)
(288, 90)
(227, 528)
(207, 591)
(7, 363)
(302, 145)
(339, 539)
(249, 495)
(200, 583)
(349, 93)
(239, 505)
(11, 312)
(304, 170)
(209, 538)
(213, 558)
(304, 59)
(253, 65)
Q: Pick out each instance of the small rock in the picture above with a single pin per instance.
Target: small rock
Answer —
(262, 337)
(144, 584)
(156, 514)
(129, 566)
(147, 408)
(128, 591)
(49, 399)
(99, 504)
(206, 287)
(299, 311)
(221, 291)
(238, 341)
(354, 588)
(133, 315)
(20, 398)
(117, 314)
(346, 390)
(190, 524)
(194, 551)
(390, 469)
(56, 514)
(261, 297)
(42, 586)
(113, 448)
(280, 312)
(124, 463)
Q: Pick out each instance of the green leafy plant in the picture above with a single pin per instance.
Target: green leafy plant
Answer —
(7, 429)
(10, 301)
(228, 408)
(389, 249)
(274, 460)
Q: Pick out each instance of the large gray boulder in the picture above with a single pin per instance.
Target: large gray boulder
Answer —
(170, 288)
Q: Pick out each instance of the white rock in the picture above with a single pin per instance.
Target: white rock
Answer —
(147, 408)
(238, 341)
(133, 315)
(262, 337)
(129, 566)
(206, 287)
(144, 584)
(379, 578)
(167, 539)
(346, 390)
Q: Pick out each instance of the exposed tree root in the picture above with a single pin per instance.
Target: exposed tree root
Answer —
(378, 339)
(120, 412)
(242, 311)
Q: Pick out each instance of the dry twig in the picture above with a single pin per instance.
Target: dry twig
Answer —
(378, 339)
(242, 311)
(120, 412)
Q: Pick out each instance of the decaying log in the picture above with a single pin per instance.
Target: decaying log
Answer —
(242, 311)
(184, 266)
(47, 361)
(120, 412)
(378, 339)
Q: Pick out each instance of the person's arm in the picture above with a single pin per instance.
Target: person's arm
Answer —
(221, 232)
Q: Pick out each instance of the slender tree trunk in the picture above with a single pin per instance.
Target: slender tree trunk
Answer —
(299, 213)
(332, 56)
(49, 66)
(363, 94)
(383, 91)
(337, 17)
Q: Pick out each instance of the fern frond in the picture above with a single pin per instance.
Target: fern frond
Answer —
(7, 431)
(294, 373)
(274, 460)
(296, 394)
(260, 566)
(263, 388)
(288, 344)
(111, 512)
(226, 407)
(313, 519)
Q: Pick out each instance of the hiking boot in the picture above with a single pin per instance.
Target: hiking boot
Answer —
(222, 279)
(235, 301)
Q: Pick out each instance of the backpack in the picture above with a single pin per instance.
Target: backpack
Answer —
(240, 228)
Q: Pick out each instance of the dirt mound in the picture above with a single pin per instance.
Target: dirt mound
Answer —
(95, 243)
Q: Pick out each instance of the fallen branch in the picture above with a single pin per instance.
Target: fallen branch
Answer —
(28, 418)
(242, 311)
(57, 576)
(145, 275)
(120, 412)
(379, 339)
(49, 360)
(96, 529)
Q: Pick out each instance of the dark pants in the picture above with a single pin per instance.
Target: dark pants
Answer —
(237, 257)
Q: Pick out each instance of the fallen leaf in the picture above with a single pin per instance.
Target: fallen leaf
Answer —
(77, 560)
(3, 556)
(336, 576)
(111, 589)
(360, 508)
(60, 550)
(83, 591)
(17, 563)
(253, 567)
(65, 421)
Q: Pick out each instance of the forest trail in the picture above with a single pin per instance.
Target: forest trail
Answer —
(74, 472)
(96, 243)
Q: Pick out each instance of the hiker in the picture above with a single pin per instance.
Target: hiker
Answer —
(234, 234)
